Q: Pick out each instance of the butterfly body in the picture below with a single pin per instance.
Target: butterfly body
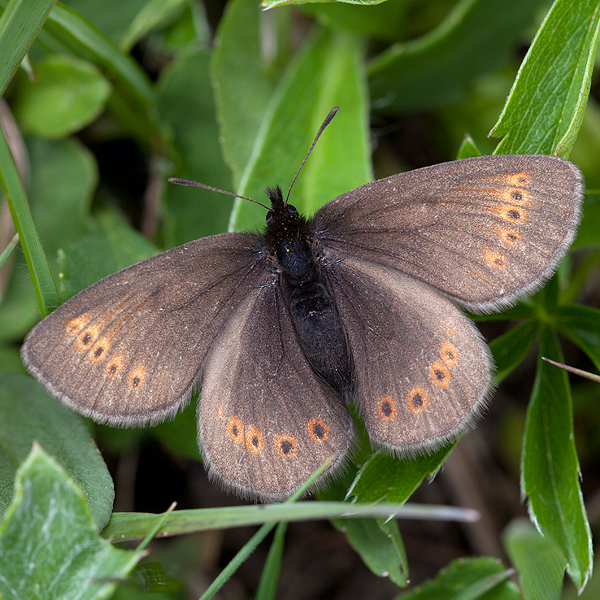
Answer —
(281, 330)
(299, 262)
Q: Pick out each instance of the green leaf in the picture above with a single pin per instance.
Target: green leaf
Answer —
(549, 468)
(112, 17)
(111, 244)
(63, 179)
(389, 21)
(379, 544)
(49, 544)
(66, 95)
(587, 236)
(468, 148)
(510, 349)
(126, 526)
(187, 106)
(468, 579)
(7, 252)
(28, 414)
(37, 262)
(242, 88)
(538, 560)
(267, 587)
(20, 24)
(133, 98)
(268, 150)
(384, 476)
(434, 69)
(581, 324)
(153, 14)
(544, 110)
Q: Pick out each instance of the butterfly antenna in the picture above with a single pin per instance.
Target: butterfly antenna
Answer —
(189, 182)
(326, 122)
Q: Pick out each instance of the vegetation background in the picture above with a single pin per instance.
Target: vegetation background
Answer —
(115, 96)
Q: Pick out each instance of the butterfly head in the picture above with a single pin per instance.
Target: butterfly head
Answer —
(283, 219)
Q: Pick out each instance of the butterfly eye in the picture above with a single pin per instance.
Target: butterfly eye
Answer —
(269, 216)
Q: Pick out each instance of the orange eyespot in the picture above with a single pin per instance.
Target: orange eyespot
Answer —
(286, 446)
(235, 429)
(386, 408)
(99, 350)
(317, 430)
(510, 237)
(115, 365)
(254, 440)
(449, 354)
(86, 338)
(136, 377)
(417, 400)
(440, 374)
(495, 259)
(510, 214)
(518, 179)
(75, 325)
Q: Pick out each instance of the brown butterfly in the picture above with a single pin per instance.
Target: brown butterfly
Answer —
(284, 329)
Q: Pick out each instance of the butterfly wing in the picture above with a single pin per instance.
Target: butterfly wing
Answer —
(482, 230)
(266, 422)
(422, 367)
(129, 349)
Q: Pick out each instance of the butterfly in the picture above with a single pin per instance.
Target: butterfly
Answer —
(282, 330)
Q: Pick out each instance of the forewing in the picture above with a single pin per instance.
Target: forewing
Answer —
(129, 349)
(266, 421)
(483, 230)
(422, 367)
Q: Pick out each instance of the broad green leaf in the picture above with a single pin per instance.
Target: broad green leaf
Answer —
(64, 177)
(187, 106)
(581, 324)
(133, 99)
(66, 95)
(475, 37)
(20, 24)
(242, 87)
(326, 74)
(538, 560)
(269, 148)
(545, 107)
(153, 14)
(468, 579)
(468, 148)
(385, 476)
(111, 244)
(49, 544)
(112, 17)
(389, 21)
(28, 414)
(510, 349)
(37, 262)
(549, 466)
(379, 544)
(587, 236)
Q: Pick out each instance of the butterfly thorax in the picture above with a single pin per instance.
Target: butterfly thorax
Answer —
(308, 295)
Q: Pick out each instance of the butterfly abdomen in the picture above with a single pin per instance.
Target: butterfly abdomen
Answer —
(308, 297)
